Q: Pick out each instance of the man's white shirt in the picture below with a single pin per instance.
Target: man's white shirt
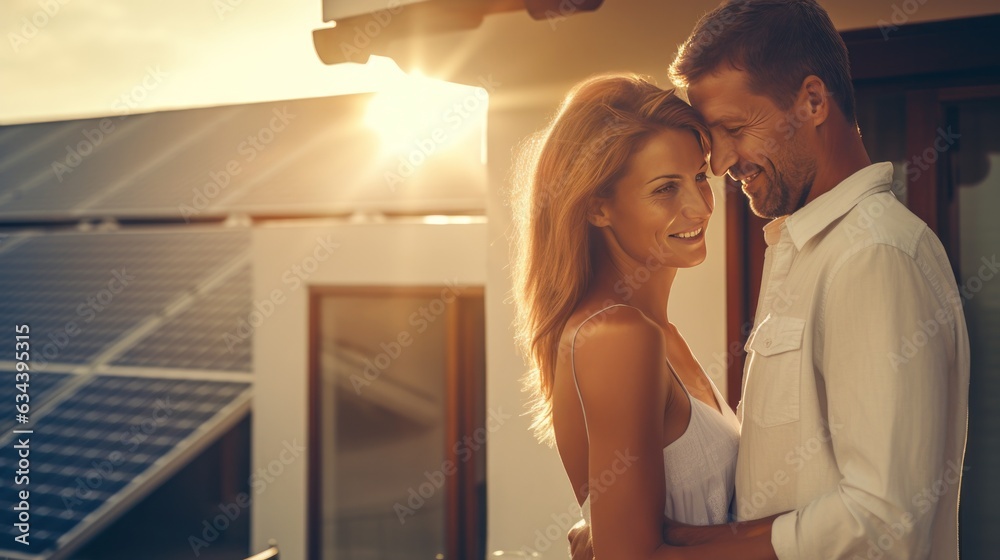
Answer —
(855, 389)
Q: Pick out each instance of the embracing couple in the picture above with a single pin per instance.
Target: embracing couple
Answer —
(844, 444)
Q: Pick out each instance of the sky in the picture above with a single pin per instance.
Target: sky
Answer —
(72, 58)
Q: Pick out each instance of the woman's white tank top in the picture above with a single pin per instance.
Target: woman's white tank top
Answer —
(700, 465)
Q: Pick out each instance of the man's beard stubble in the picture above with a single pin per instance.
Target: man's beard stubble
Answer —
(780, 196)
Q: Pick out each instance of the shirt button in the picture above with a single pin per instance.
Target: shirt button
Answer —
(767, 343)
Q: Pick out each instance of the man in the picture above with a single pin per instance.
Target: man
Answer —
(855, 395)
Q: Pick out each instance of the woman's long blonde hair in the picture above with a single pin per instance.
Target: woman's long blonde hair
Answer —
(579, 156)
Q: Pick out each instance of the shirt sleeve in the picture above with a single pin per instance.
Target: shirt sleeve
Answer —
(887, 342)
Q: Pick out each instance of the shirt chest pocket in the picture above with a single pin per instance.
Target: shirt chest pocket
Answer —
(774, 371)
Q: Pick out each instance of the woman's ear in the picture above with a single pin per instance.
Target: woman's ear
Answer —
(598, 214)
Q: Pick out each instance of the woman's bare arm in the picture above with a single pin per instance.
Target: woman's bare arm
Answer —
(626, 388)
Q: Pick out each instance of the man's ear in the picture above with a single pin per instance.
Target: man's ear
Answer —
(814, 100)
(597, 213)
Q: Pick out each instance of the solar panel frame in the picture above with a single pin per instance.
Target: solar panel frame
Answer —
(186, 444)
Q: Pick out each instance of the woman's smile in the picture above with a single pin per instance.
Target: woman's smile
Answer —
(690, 236)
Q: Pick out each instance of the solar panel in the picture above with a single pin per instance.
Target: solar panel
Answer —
(289, 157)
(56, 166)
(195, 338)
(81, 292)
(173, 154)
(102, 448)
(222, 155)
(40, 387)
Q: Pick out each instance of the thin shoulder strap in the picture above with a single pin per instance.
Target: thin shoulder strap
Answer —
(677, 377)
(572, 359)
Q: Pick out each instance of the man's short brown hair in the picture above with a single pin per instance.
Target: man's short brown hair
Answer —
(776, 42)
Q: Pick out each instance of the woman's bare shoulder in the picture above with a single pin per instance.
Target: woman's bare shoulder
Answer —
(620, 368)
(617, 338)
(609, 320)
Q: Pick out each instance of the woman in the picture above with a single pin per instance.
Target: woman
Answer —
(615, 201)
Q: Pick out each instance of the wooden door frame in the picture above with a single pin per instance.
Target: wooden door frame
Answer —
(462, 504)
(942, 61)
(744, 267)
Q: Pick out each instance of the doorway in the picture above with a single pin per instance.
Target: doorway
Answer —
(398, 428)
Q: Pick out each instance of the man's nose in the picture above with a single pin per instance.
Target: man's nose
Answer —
(723, 155)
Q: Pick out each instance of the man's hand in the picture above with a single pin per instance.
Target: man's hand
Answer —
(580, 545)
(676, 533)
(673, 532)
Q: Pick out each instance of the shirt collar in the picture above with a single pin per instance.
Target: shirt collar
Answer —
(815, 216)
(772, 230)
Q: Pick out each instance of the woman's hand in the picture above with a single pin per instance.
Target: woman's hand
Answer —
(580, 546)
